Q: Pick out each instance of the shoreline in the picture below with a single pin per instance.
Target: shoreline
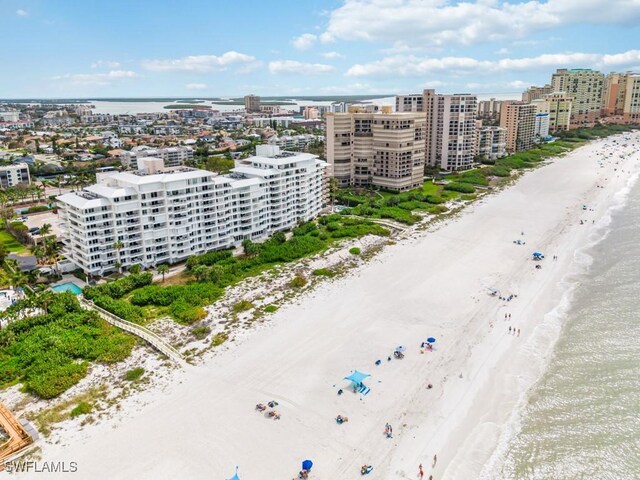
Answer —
(345, 324)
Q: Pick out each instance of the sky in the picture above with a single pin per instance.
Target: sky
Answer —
(199, 48)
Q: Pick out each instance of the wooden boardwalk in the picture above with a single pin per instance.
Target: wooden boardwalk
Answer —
(19, 438)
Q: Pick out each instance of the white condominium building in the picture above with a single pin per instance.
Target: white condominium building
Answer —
(450, 130)
(492, 142)
(164, 215)
(12, 175)
(172, 156)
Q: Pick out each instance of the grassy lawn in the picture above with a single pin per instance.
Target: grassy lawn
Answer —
(11, 244)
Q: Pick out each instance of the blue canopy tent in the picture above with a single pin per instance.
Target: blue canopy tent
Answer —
(235, 477)
(537, 256)
(356, 378)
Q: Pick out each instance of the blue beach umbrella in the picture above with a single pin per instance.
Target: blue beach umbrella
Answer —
(306, 465)
(235, 477)
(431, 340)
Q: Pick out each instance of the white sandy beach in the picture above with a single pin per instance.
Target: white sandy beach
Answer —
(432, 284)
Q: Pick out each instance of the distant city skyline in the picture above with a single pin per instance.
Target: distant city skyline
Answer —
(201, 49)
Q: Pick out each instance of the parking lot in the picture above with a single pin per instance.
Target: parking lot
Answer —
(39, 219)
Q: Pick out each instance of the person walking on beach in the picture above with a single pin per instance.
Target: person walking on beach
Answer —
(435, 460)
(420, 471)
(509, 328)
(518, 332)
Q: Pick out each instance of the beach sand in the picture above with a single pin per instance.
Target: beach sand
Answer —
(435, 283)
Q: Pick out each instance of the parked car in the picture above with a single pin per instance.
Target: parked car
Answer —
(34, 230)
(21, 219)
(45, 271)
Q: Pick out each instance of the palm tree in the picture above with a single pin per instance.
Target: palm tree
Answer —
(39, 252)
(162, 269)
(200, 272)
(44, 230)
(118, 246)
(52, 249)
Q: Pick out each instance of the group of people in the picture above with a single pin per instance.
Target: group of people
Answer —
(260, 407)
(514, 331)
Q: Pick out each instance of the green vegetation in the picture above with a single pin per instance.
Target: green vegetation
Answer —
(109, 296)
(242, 306)
(134, 374)
(50, 352)
(324, 272)
(10, 243)
(82, 408)
(271, 308)
(200, 332)
(219, 339)
(460, 187)
(354, 251)
(298, 281)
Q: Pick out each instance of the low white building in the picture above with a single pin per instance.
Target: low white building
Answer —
(9, 116)
(172, 156)
(165, 215)
(12, 175)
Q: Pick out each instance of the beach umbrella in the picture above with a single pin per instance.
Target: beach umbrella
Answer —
(431, 340)
(307, 464)
(235, 477)
(401, 348)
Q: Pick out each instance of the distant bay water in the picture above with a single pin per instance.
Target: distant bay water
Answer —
(133, 107)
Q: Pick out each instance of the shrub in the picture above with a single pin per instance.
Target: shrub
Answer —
(134, 374)
(37, 208)
(187, 313)
(200, 332)
(119, 288)
(270, 308)
(298, 281)
(324, 272)
(354, 251)
(460, 187)
(435, 199)
(219, 339)
(242, 306)
(82, 408)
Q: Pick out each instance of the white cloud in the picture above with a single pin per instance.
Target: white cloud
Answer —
(101, 79)
(299, 68)
(503, 51)
(22, 13)
(200, 63)
(411, 65)
(440, 22)
(196, 86)
(434, 84)
(333, 55)
(304, 41)
(105, 63)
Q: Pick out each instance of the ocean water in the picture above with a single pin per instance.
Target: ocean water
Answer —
(582, 418)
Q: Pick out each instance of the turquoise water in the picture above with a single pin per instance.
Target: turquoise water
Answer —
(67, 287)
(582, 419)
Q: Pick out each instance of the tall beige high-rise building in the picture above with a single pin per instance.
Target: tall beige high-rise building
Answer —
(450, 136)
(384, 149)
(489, 109)
(535, 93)
(585, 86)
(519, 119)
(631, 109)
(613, 94)
(558, 105)
(252, 103)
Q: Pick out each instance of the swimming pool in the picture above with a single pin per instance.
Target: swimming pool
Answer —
(67, 287)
